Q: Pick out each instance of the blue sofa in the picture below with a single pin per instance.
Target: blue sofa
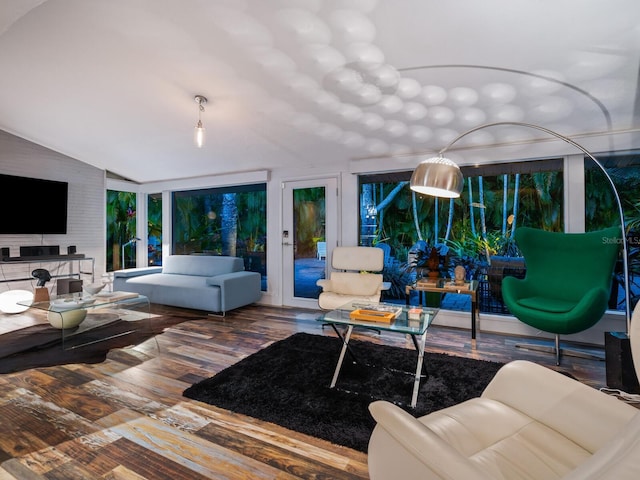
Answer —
(212, 283)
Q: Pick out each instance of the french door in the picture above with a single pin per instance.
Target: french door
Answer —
(309, 232)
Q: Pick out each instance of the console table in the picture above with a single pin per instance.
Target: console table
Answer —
(75, 264)
(446, 285)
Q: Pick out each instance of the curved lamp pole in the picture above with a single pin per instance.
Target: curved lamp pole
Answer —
(445, 179)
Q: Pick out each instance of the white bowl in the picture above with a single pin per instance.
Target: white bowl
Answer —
(93, 288)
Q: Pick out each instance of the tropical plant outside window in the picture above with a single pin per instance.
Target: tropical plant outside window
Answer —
(121, 228)
(154, 229)
(468, 231)
(223, 221)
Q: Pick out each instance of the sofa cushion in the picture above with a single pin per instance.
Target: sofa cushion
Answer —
(201, 265)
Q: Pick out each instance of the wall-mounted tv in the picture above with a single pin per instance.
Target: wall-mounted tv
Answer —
(32, 205)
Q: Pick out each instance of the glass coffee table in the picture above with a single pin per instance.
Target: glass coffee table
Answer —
(76, 314)
(414, 323)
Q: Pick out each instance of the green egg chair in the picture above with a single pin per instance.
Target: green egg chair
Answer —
(567, 284)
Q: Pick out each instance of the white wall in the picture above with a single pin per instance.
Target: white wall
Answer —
(86, 221)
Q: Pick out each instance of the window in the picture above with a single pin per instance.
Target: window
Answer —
(223, 221)
(121, 229)
(468, 230)
(601, 211)
(154, 229)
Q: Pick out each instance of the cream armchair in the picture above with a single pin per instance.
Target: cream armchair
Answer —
(529, 423)
(354, 278)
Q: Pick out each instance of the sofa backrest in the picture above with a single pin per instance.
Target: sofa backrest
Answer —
(201, 265)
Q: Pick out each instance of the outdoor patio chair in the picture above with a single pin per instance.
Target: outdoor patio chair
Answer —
(321, 250)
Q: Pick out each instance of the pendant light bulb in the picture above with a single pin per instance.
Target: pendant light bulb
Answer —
(199, 131)
(199, 134)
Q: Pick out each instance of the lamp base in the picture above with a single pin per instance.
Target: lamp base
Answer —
(621, 373)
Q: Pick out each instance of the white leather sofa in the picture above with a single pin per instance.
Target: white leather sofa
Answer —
(529, 423)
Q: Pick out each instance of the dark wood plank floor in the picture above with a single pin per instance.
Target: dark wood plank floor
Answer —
(125, 418)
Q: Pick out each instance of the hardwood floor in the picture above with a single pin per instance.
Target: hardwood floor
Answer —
(126, 418)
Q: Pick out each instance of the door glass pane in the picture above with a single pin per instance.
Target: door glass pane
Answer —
(310, 242)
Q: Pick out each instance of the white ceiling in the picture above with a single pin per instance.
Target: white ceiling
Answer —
(306, 82)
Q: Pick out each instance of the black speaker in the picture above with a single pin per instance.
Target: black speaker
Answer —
(71, 249)
(6, 254)
(39, 250)
(620, 371)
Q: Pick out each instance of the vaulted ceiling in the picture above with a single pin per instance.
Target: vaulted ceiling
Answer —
(302, 83)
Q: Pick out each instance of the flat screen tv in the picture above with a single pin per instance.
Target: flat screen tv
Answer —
(32, 205)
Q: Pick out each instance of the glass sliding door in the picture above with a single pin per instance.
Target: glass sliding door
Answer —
(309, 232)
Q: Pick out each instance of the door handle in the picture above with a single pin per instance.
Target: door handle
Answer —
(287, 243)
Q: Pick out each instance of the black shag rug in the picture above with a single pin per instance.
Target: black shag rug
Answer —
(288, 382)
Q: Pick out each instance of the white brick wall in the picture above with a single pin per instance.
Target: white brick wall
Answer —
(86, 210)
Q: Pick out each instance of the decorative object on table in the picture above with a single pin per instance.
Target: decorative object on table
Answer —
(93, 288)
(107, 279)
(433, 263)
(9, 301)
(425, 260)
(459, 275)
(68, 285)
(414, 313)
(41, 293)
(42, 275)
(373, 315)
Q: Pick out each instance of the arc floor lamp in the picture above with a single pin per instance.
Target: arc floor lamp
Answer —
(441, 177)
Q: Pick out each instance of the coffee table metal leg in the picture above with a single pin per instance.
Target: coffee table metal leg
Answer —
(345, 345)
(416, 383)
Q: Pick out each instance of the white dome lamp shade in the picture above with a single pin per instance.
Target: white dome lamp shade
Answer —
(438, 177)
(9, 301)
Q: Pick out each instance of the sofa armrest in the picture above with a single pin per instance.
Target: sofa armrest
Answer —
(136, 272)
(325, 283)
(430, 452)
(237, 288)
